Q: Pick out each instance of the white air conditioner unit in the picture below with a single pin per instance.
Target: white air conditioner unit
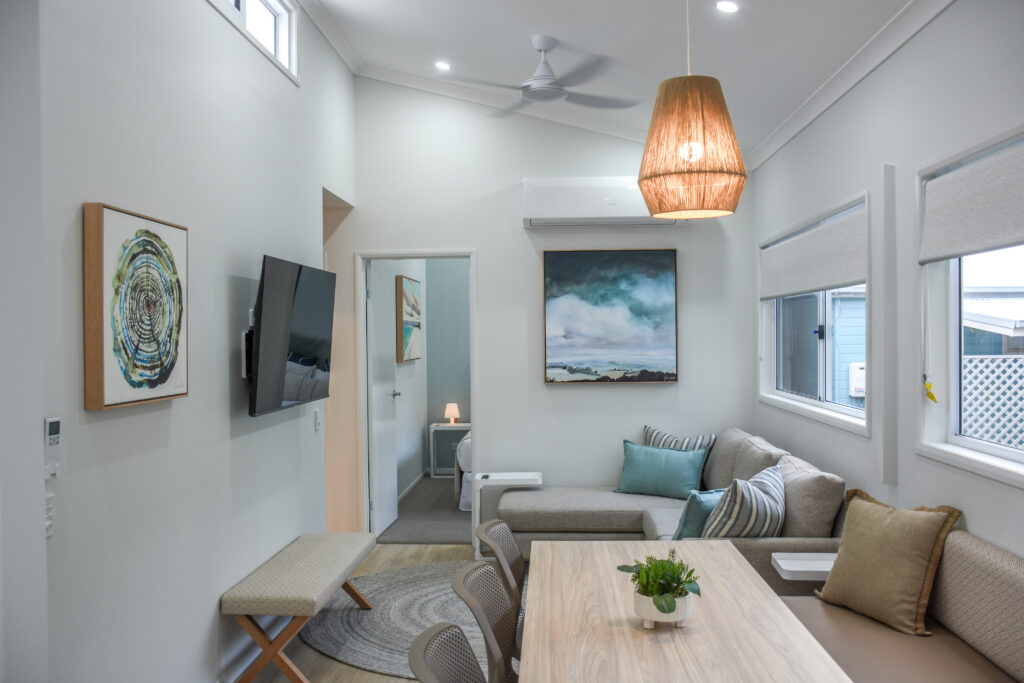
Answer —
(608, 200)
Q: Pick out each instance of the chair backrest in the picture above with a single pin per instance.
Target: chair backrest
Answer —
(497, 535)
(441, 654)
(487, 597)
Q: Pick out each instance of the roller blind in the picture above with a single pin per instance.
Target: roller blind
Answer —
(975, 207)
(829, 254)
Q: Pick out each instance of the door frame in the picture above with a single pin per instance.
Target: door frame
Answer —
(362, 357)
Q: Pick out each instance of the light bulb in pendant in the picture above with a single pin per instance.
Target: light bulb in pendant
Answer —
(691, 151)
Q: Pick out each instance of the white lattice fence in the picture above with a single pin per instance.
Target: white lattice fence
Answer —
(992, 399)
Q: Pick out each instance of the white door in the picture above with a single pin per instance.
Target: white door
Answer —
(380, 344)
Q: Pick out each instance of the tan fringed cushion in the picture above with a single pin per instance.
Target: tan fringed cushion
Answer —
(979, 595)
(300, 579)
(887, 561)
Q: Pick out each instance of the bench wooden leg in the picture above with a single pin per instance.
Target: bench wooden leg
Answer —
(356, 595)
(272, 649)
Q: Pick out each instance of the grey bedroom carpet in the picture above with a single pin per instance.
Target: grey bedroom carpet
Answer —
(405, 602)
(430, 514)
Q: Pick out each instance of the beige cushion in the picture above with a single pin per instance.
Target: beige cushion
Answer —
(869, 651)
(300, 579)
(887, 561)
(979, 595)
(582, 509)
(722, 458)
(753, 455)
(661, 523)
(813, 498)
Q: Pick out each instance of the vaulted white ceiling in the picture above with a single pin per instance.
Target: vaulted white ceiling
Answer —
(781, 62)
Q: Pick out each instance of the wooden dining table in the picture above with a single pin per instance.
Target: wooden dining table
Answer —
(581, 626)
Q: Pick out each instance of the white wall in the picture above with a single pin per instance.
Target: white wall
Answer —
(955, 84)
(448, 338)
(437, 173)
(164, 108)
(23, 625)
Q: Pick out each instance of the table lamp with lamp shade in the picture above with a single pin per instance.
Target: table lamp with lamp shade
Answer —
(451, 411)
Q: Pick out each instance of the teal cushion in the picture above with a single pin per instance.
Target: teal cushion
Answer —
(698, 508)
(660, 471)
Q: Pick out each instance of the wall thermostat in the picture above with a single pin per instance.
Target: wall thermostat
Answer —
(52, 431)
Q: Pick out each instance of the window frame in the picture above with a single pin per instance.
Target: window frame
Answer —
(832, 414)
(940, 326)
(936, 423)
(285, 30)
(823, 407)
(954, 418)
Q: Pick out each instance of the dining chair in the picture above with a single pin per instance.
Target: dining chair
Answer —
(487, 597)
(441, 654)
(497, 536)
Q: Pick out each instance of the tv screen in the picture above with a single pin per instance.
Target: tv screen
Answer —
(291, 342)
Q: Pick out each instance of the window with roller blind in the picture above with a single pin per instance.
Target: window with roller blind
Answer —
(972, 244)
(814, 317)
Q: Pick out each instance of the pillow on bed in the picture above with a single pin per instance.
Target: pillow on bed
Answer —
(660, 471)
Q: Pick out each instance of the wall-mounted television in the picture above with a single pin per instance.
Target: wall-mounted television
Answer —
(290, 347)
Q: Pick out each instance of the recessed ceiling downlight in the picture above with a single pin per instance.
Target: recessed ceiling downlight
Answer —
(443, 66)
(727, 6)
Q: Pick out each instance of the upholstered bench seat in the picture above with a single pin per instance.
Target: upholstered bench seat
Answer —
(868, 650)
(296, 582)
(301, 578)
(584, 510)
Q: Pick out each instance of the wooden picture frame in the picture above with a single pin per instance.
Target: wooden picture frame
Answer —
(135, 305)
(611, 317)
(408, 319)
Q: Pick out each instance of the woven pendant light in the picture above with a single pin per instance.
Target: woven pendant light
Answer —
(692, 167)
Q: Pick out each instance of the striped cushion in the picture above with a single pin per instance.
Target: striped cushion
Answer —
(752, 508)
(660, 439)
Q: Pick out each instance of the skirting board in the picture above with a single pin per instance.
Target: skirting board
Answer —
(409, 488)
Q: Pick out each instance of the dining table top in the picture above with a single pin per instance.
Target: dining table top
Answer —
(581, 625)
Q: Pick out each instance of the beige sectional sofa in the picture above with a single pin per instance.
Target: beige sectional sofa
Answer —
(813, 501)
(976, 616)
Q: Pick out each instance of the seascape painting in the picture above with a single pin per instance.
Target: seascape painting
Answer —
(610, 316)
(409, 322)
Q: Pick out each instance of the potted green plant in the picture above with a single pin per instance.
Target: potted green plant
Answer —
(663, 589)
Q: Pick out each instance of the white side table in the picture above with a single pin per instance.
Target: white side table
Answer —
(507, 480)
(443, 427)
(803, 566)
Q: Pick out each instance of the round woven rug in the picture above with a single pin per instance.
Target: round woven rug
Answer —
(405, 602)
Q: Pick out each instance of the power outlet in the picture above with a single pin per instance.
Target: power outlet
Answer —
(51, 514)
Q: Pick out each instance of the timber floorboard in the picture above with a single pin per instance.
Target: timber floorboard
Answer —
(323, 669)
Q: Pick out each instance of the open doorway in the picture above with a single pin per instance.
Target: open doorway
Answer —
(418, 372)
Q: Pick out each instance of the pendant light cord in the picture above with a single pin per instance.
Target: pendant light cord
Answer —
(688, 73)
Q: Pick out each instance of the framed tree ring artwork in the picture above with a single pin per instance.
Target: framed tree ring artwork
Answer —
(610, 316)
(135, 304)
(408, 319)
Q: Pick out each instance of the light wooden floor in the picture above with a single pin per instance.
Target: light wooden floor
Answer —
(322, 669)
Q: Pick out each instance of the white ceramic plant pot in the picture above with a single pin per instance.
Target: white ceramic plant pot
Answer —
(646, 610)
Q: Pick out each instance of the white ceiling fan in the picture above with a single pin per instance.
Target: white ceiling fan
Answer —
(544, 86)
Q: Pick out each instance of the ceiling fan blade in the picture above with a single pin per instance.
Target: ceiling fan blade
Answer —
(600, 102)
(522, 102)
(469, 80)
(588, 70)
